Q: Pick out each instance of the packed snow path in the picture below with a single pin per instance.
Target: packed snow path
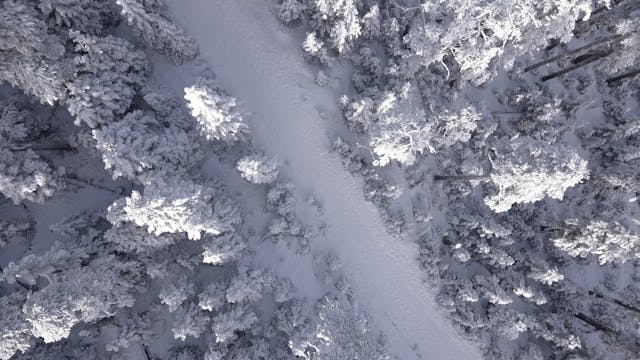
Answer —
(258, 61)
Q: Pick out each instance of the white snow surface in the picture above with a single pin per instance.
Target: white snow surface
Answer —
(259, 61)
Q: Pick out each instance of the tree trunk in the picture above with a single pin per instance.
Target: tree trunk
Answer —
(27, 235)
(40, 147)
(26, 286)
(575, 51)
(593, 58)
(74, 178)
(146, 352)
(623, 76)
(615, 301)
(589, 320)
(460, 177)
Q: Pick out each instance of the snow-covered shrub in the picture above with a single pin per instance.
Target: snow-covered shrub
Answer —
(227, 324)
(27, 176)
(223, 248)
(258, 169)
(175, 291)
(213, 297)
(291, 10)
(341, 332)
(249, 285)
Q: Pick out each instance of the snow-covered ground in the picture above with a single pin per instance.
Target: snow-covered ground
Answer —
(259, 61)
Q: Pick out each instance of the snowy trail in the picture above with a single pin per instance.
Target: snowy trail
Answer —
(258, 61)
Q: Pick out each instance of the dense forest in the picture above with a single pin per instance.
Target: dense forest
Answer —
(515, 121)
(141, 219)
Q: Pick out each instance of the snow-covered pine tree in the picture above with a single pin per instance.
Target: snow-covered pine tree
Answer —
(220, 249)
(607, 241)
(108, 73)
(89, 17)
(26, 176)
(30, 56)
(15, 331)
(291, 10)
(139, 145)
(173, 205)
(527, 170)
(339, 20)
(15, 123)
(438, 31)
(218, 115)
(77, 295)
(129, 237)
(156, 30)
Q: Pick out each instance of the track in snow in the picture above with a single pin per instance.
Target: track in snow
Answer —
(258, 61)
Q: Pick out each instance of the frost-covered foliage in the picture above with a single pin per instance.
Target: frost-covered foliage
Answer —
(527, 170)
(26, 176)
(607, 241)
(79, 295)
(131, 238)
(175, 292)
(15, 123)
(473, 37)
(89, 17)
(108, 72)
(291, 10)
(400, 128)
(30, 56)
(480, 36)
(341, 332)
(220, 249)
(189, 321)
(249, 285)
(151, 23)
(227, 324)
(171, 205)
(258, 169)
(218, 115)
(628, 57)
(15, 331)
(139, 145)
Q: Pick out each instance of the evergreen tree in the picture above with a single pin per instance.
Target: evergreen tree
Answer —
(26, 176)
(156, 30)
(30, 57)
(528, 170)
(258, 169)
(139, 145)
(171, 205)
(89, 17)
(217, 114)
(108, 73)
